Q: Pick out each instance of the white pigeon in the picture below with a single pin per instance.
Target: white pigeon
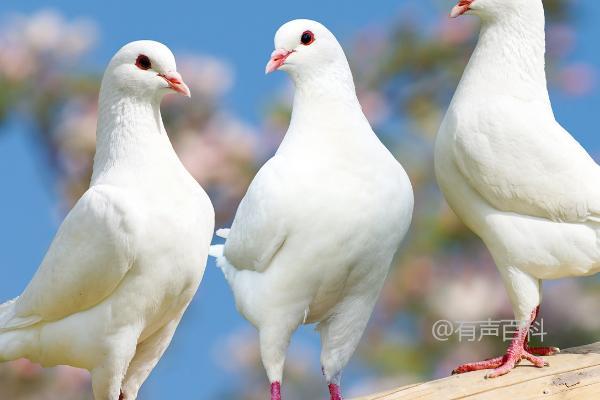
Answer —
(512, 173)
(314, 237)
(129, 257)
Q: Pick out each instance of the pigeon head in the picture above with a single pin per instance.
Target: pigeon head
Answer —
(497, 9)
(304, 46)
(144, 69)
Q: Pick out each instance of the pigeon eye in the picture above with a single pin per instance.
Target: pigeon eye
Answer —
(143, 62)
(307, 38)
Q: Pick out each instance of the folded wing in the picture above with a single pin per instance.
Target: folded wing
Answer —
(92, 252)
(528, 164)
(258, 231)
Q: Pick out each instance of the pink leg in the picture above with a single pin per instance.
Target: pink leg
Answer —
(335, 392)
(275, 391)
(517, 350)
(540, 351)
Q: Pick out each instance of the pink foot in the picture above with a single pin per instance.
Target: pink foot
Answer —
(517, 351)
(275, 391)
(503, 365)
(477, 366)
(510, 360)
(335, 392)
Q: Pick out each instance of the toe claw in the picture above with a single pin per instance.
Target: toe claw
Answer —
(542, 351)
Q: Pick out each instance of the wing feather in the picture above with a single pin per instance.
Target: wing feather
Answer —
(521, 160)
(258, 230)
(91, 253)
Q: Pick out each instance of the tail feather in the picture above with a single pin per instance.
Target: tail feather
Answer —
(228, 270)
(11, 341)
(9, 320)
(223, 233)
(5, 346)
(7, 313)
(17, 344)
(243, 282)
(216, 250)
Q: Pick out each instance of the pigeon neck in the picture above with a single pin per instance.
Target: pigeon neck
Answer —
(323, 96)
(509, 58)
(128, 130)
(326, 117)
(329, 85)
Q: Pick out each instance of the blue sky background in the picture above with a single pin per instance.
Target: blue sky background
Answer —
(242, 34)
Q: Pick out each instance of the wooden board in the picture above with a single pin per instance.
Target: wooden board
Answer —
(572, 374)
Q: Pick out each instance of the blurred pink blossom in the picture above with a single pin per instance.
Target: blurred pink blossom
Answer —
(577, 79)
(219, 153)
(28, 42)
(205, 75)
(468, 296)
(455, 31)
(560, 39)
(71, 379)
(25, 369)
(374, 106)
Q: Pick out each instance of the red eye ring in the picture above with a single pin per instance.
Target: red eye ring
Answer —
(143, 62)
(307, 38)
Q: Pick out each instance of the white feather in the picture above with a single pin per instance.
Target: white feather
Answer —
(128, 258)
(314, 236)
(509, 170)
(223, 233)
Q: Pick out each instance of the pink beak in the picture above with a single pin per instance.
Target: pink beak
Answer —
(278, 58)
(175, 82)
(462, 7)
